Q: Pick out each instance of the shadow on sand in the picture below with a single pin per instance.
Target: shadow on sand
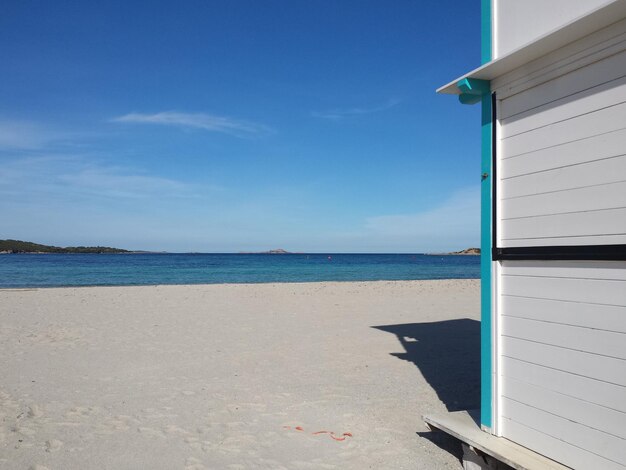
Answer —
(447, 353)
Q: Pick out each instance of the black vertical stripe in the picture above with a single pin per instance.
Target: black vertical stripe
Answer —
(494, 195)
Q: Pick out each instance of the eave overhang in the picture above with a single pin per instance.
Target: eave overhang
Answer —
(599, 18)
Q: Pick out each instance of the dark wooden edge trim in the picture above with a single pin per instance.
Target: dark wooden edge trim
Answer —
(577, 252)
(494, 174)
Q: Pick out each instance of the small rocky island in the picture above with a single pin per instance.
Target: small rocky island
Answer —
(467, 251)
(277, 251)
(19, 246)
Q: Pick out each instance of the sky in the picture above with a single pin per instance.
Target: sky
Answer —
(239, 125)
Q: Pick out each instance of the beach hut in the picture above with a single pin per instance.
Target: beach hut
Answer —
(553, 323)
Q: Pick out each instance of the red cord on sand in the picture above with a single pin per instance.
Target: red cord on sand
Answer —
(331, 433)
(343, 436)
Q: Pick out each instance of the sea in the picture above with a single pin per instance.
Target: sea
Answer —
(60, 270)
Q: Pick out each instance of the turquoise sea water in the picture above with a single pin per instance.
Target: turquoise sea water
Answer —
(49, 270)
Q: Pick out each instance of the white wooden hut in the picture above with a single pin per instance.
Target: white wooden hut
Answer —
(553, 330)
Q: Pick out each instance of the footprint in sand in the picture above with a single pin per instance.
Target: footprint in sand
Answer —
(53, 445)
(80, 412)
(121, 422)
(35, 411)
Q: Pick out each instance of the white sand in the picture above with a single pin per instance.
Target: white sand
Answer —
(212, 376)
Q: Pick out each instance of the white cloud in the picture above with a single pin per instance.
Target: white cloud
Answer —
(203, 121)
(336, 114)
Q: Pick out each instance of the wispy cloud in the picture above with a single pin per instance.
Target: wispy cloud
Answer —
(71, 177)
(340, 113)
(202, 121)
(28, 135)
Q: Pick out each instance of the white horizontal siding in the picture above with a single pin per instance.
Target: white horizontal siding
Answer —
(595, 291)
(563, 131)
(589, 198)
(581, 199)
(562, 359)
(573, 444)
(605, 343)
(579, 175)
(579, 411)
(583, 150)
(566, 241)
(598, 317)
(596, 367)
(598, 222)
(587, 50)
(562, 159)
(595, 74)
(561, 325)
(557, 449)
(615, 270)
(608, 92)
(597, 392)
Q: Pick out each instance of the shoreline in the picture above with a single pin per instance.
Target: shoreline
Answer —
(73, 286)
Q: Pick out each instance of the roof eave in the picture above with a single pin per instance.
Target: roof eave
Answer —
(599, 18)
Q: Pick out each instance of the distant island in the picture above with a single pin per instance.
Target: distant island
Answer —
(18, 246)
(467, 251)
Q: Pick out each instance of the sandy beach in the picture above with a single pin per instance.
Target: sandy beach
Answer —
(275, 376)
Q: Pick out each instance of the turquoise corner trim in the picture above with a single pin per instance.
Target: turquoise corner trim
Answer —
(472, 90)
(486, 347)
(469, 99)
(473, 86)
(485, 31)
(486, 377)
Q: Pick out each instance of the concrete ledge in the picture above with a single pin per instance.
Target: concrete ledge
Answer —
(464, 426)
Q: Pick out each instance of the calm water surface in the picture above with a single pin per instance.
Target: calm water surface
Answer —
(49, 270)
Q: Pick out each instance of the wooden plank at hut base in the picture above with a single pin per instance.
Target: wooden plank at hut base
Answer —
(476, 460)
(464, 426)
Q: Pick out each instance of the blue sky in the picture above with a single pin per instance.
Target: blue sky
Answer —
(225, 126)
